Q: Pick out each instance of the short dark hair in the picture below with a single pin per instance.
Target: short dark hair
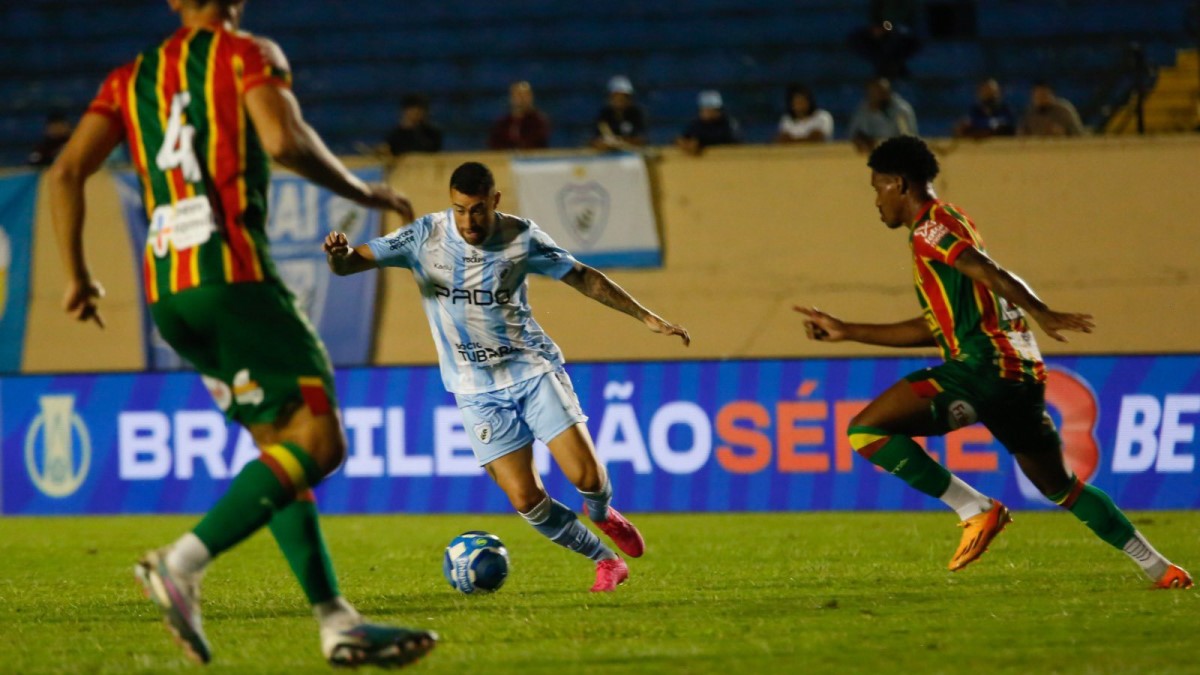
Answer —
(473, 179)
(906, 156)
(799, 89)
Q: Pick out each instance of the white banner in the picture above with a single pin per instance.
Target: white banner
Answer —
(598, 207)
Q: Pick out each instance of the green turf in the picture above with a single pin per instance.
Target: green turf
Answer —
(714, 593)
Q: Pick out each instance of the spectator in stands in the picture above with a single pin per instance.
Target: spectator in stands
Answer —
(802, 120)
(54, 137)
(882, 115)
(524, 127)
(1050, 115)
(622, 123)
(414, 133)
(887, 42)
(989, 116)
(713, 126)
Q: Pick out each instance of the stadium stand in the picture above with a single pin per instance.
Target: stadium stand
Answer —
(463, 55)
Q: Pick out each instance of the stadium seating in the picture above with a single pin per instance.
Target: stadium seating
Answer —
(1173, 105)
(353, 61)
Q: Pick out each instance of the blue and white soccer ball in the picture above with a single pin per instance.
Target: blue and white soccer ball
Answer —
(476, 561)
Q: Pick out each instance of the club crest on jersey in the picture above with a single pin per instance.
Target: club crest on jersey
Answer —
(483, 431)
(583, 210)
(504, 269)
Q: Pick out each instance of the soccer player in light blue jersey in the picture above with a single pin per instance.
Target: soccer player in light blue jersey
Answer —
(506, 374)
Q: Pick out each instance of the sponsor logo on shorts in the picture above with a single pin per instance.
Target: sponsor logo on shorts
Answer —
(483, 431)
(245, 390)
(961, 414)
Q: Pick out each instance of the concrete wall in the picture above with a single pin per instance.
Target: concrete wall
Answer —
(1104, 225)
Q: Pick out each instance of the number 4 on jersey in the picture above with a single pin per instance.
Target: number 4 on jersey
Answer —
(177, 151)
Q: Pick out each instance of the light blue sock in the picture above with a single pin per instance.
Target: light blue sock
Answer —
(597, 502)
(559, 525)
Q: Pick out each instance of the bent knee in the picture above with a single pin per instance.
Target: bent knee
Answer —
(325, 444)
(864, 438)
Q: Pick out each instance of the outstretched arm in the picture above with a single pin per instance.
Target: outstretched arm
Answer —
(90, 144)
(344, 260)
(597, 286)
(979, 267)
(826, 328)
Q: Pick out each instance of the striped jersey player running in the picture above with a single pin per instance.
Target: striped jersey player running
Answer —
(203, 112)
(470, 263)
(974, 311)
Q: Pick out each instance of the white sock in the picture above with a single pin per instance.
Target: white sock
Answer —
(337, 613)
(188, 555)
(964, 499)
(1152, 562)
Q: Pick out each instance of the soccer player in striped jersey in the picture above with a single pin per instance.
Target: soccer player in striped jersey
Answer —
(974, 311)
(203, 112)
(470, 263)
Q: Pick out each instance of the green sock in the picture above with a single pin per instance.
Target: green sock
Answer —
(263, 486)
(902, 457)
(297, 530)
(1097, 510)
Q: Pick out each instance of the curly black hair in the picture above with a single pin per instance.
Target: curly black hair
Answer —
(906, 156)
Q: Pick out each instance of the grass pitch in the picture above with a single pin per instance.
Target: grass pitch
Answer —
(715, 593)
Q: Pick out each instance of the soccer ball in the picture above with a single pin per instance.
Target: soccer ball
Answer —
(476, 561)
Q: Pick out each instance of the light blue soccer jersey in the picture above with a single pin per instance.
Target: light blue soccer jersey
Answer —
(476, 298)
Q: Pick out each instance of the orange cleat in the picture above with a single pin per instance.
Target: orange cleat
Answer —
(1174, 577)
(978, 532)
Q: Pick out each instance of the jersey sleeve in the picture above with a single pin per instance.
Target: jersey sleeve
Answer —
(108, 99)
(401, 247)
(263, 62)
(546, 257)
(932, 240)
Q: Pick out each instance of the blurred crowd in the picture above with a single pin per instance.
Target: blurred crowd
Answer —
(885, 42)
(622, 122)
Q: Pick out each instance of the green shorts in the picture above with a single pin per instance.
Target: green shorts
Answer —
(258, 354)
(962, 393)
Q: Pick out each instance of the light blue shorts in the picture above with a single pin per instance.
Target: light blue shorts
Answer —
(503, 421)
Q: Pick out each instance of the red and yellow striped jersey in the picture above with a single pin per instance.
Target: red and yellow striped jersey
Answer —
(968, 321)
(203, 172)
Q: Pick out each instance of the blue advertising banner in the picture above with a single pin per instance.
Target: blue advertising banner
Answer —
(680, 436)
(18, 195)
(300, 214)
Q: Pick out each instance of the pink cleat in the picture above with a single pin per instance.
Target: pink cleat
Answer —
(622, 532)
(609, 575)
